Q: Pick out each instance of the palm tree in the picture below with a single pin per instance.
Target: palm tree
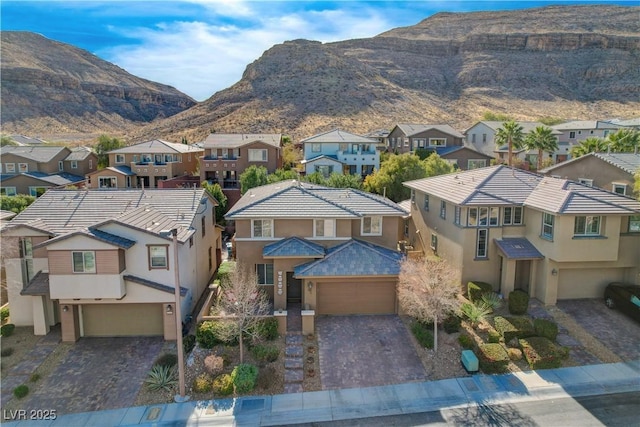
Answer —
(624, 141)
(589, 145)
(541, 139)
(511, 134)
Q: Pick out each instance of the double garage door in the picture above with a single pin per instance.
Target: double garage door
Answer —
(356, 298)
(113, 320)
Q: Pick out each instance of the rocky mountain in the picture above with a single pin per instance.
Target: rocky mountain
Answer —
(52, 88)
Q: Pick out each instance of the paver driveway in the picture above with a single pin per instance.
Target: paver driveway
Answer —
(614, 329)
(97, 374)
(364, 351)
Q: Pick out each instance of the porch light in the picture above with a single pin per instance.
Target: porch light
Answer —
(65, 308)
(554, 272)
(309, 286)
(169, 309)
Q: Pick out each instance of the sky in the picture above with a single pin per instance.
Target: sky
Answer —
(203, 46)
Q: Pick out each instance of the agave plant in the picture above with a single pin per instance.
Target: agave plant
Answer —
(492, 300)
(162, 378)
(475, 313)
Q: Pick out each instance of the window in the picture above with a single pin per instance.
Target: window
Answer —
(372, 225)
(203, 225)
(484, 138)
(158, 256)
(26, 260)
(107, 182)
(481, 243)
(119, 158)
(586, 181)
(426, 202)
(10, 167)
(90, 163)
(494, 214)
(572, 135)
(443, 209)
(406, 142)
(262, 228)
(472, 220)
(473, 138)
(517, 215)
(325, 170)
(434, 242)
(84, 262)
(483, 217)
(456, 215)
(265, 274)
(74, 164)
(620, 188)
(324, 228)
(257, 155)
(60, 166)
(210, 254)
(343, 147)
(8, 191)
(547, 225)
(476, 163)
(586, 226)
(37, 191)
(316, 148)
(437, 142)
(634, 224)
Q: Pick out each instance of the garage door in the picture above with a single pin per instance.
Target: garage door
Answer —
(356, 298)
(112, 320)
(586, 282)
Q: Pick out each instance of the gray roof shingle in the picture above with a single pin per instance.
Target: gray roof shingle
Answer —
(338, 135)
(411, 129)
(39, 285)
(79, 154)
(235, 140)
(157, 146)
(35, 153)
(154, 285)
(293, 247)
(518, 248)
(96, 234)
(628, 162)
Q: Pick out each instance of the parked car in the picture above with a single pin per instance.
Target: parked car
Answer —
(623, 297)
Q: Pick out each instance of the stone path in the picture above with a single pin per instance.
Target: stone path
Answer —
(293, 353)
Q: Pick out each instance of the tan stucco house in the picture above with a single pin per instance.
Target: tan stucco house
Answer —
(101, 263)
(554, 238)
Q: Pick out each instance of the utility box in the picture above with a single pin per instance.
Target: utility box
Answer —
(469, 361)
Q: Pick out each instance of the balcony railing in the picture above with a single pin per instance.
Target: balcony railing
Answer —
(230, 183)
(213, 158)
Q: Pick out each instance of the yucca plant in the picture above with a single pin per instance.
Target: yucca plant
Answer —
(475, 313)
(491, 300)
(161, 378)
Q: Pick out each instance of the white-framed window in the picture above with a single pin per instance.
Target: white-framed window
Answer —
(324, 228)
(512, 215)
(258, 155)
(457, 211)
(8, 191)
(426, 202)
(107, 182)
(10, 167)
(494, 214)
(437, 142)
(74, 164)
(443, 209)
(325, 170)
(158, 256)
(372, 225)
(119, 158)
(420, 143)
(84, 261)
(146, 158)
(587, 226)
(586, 181)
(476, 163)
(262, 228)
(434, 242)
(634, 224)
(265, 274)
(620, 188)
(547, 225)
(316, 147)
(37, 191)
(406, 142)
(472, 217)
(482, 243)
(572, 134)
(483, 216)
(60, 166)
(484, 138)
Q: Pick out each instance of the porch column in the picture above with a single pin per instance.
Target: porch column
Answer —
(70, 322)
(508, 278)
(548, 293)
(40, 320)
(281, 317)
(308, 321)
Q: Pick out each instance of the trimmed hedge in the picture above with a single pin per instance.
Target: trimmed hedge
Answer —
(546, 328)
(7, 330)
(476, 289)
(494, 336)
(513, 327)
(265, 353)
(493, 358)
(21, 391)
(223, 385)
(202, 384)
(244, 377)
(422, 334)
(541, 353)
(211, 333)
(518, 302)
(267, 329)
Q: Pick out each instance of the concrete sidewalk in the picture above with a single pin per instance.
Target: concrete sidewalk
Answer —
(356, 403)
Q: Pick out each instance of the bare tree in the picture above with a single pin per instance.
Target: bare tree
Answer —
(428, 290)
(244, 303)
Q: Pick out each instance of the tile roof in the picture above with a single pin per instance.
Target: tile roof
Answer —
(411, 129)
(585, 125)
(61, 178)
(235, 140)
(79, 154)
(338, 135)
(628, 162)
(35, 153)
(96, 234)
(121, 169)
(150, 219)
(157, 146)
(26, 140)
(353, 258)
(526, 126)
(39, 285)
(293, 247)
(518, 248)
(6, 215)
(310, 201)
(154, 285)
(332, 157)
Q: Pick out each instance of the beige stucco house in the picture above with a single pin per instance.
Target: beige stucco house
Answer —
(554, 238)
(101, 263)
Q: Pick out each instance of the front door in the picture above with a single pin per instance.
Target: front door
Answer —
(523, 273)
(294, 289)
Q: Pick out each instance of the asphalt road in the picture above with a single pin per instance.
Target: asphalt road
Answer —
(621, 409)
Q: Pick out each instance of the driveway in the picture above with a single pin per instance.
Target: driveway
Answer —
(612, 328)
(364, 351)
(97, 374)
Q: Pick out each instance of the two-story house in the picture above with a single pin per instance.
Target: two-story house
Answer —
(554, 238)
(340, 152)
(227, 155)
(333, 250)
(145, 164)
(103, 263)
(609, 171)
(576, 131)
(34, 169)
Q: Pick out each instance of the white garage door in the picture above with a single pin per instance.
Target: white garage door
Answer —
(114, 320)
(586, 282)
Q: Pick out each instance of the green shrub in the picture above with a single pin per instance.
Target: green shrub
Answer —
(422, 334)
(202, 384)
(244, 377)
(476, 289)
(188, 343)
(211, 333)
(34, 377)
(6, 352)
(513, 327)
(541, 353)
(493, 358)
(546, 328)
(494, 336)
(465, 341)
(167, 359)
(21, 391)
(7, 330)
(492, 300)
(475, 313)
(161, 378)
(451, 324)
(265, 353)
(518, 302)
(4, 313)
(267, 329)
(224, 272)
(223, 385)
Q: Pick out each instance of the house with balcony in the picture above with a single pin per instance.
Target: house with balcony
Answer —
(146, 164)
(551, 237)
(340, 152)
(227, 155)
(103, 263)
(34, 169)
(335, 252)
